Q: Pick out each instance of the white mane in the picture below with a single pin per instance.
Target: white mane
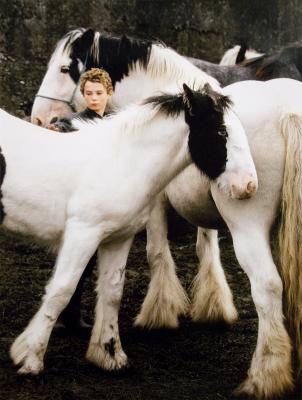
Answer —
(167, 63)
(130, 120)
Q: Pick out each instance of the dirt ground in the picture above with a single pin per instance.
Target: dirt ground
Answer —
(193, 362)
(196, 362)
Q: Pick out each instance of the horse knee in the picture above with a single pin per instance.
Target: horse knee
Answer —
(267, 292)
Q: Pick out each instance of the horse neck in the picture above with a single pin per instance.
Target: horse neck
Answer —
(158, 141)
(165, 71)
(167, 64)
(225, 74)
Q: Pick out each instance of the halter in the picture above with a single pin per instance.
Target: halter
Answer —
(70, 102)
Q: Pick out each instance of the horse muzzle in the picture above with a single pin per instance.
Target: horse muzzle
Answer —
(243, 187)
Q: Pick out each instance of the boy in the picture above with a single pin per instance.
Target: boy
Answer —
(96, 88)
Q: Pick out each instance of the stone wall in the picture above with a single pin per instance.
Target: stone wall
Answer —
(204, 29)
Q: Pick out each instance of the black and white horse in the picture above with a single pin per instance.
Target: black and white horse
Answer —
(127, 61)
(94, 189)
(271, 115)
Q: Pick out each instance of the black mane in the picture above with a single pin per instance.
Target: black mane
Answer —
(169, 104)
(115, 54)
(173, 104)
(118, 54)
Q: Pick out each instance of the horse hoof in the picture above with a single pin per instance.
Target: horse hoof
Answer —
(31, 369)
(27, 355)
(109, 361)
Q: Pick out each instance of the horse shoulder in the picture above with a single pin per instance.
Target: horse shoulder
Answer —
(188, 193)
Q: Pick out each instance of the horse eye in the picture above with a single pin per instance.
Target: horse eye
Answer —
(223, 133)
(64, 69)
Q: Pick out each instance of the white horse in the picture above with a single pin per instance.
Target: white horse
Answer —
(271, 113)
(89, 190)
(266, 112)
(238, 54)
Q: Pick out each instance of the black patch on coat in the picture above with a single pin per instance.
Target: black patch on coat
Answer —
(74, 71)
(110, 347)
(115, 54)
(2, 174)
(204, 112)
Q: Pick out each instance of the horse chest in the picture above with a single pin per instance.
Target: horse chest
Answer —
(188, 193)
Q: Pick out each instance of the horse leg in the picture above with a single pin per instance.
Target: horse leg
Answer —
(71, 316)
(212, 299)
(105, 349)
(79, 243)
(270, 373)
(166, 298)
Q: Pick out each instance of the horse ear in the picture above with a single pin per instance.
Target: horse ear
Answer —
(187, 98)
(220, 101)
(241, 53)
(82, 43)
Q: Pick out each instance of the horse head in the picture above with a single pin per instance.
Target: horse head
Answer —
(217, 142)
(77, 51)
(59, 93)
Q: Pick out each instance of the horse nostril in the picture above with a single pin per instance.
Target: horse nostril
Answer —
(53, 120)
(251, 187)
(38, 122)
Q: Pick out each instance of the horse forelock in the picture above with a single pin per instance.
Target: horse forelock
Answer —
(65, 45)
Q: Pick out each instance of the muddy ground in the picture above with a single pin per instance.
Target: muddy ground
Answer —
(196, 362)
(193, 362)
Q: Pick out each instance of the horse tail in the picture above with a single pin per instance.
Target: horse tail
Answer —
(290, 231)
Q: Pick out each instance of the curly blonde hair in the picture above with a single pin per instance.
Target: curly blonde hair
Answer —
(97, 75)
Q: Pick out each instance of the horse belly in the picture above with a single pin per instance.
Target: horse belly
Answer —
(189, 194)
(121, 226)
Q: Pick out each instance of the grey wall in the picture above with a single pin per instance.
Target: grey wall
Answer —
(201, 28)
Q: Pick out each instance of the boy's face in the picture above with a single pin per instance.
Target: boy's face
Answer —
(96, 96)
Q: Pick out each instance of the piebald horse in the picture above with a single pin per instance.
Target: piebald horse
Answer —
(94, 189)
(271, 115)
